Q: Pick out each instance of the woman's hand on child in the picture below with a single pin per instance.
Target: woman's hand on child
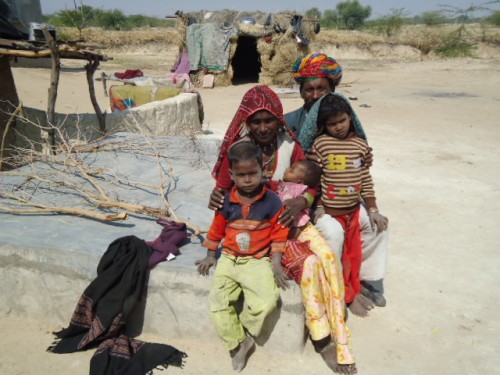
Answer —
(293, 207)
(205, 264)
(368, 160)
(378, 220)
(311, 156)
(216, 199)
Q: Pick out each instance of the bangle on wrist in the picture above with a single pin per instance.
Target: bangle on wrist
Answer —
(373, 210)
(309, 199)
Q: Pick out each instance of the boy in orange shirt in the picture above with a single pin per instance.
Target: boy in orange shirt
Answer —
(248, 224)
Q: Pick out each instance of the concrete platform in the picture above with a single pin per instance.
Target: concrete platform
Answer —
(46, 261)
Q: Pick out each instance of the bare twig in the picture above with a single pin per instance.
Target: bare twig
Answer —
(71, 173)
(6, 131)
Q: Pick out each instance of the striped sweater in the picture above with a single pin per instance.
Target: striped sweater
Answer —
(344, 179)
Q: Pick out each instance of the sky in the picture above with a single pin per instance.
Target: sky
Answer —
(162, 8)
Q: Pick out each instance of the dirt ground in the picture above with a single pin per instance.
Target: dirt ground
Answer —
(434, 127)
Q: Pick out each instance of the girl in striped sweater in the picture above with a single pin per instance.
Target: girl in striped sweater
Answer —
(345, 184)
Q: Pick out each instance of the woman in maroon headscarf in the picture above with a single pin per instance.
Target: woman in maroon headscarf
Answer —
(259, 119)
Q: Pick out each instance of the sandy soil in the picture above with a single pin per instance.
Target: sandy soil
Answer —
(434, 129)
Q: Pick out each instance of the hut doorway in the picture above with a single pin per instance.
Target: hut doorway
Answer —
(246, 61)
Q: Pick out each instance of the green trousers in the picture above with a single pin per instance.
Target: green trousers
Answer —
(234, 275)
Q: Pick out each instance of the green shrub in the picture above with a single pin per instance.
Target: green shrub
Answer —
(433, 18)
(389, 25)
(329, 19)
(456, 44)
(494, 18)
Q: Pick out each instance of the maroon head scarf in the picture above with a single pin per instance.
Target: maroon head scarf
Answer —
(256, 99)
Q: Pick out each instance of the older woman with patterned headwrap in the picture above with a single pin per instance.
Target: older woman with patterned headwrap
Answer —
(319, 74)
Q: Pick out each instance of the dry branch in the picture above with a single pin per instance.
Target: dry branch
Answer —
(58, 210)
(71, 173)
(6, 131)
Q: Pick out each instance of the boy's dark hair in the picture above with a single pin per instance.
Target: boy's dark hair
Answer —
(243, 151)
(331, 105)
(312, 177)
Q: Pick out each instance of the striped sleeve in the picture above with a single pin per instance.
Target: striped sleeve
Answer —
(216, 232)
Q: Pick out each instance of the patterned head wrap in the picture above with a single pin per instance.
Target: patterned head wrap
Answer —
(309, 130)
(256, 99)
(317, 65)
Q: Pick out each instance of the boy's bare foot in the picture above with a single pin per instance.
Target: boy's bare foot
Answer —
(242, 353)
(361, 305)
(329, 355)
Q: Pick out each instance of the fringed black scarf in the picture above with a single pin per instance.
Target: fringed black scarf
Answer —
(100, 315)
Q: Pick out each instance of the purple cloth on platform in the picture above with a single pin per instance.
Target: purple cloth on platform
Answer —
(182, 66)
(171, 236)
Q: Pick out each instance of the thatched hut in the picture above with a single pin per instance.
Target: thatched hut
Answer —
(252, 47)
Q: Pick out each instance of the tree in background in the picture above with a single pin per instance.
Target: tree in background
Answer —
(81, 17)
(432, 18)
(111, 19)
(390, 25)
(494, 18)
(463, 15)
(330, 19)
(459, 42)
(352, 14)
(313, 13)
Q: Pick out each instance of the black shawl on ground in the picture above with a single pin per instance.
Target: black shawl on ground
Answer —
(100, 315)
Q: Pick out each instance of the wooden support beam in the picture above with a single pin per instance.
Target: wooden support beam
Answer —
(48, 133)
(90, 68)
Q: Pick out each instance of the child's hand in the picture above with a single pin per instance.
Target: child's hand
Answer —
(280, 276)
(317, 213)
(205, 264)
(293, 207)
(378, 220)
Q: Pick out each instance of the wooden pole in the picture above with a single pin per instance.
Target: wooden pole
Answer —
(90, 68)
(6, 132)
(49, 135)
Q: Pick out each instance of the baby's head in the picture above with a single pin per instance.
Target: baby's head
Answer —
(303, 172)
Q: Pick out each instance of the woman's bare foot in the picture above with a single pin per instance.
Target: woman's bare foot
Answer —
(329, 355)
(361, 305)
(347, 369)
(243, 352)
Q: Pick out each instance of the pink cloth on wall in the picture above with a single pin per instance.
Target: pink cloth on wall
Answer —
(182, 66)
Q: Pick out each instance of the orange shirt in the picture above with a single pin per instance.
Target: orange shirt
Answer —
(248, 230)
